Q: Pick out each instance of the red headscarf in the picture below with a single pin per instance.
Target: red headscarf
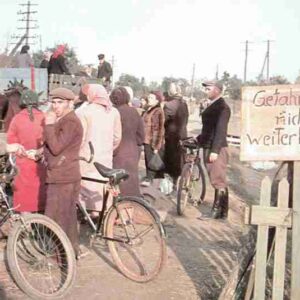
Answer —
(96, 93)
(60, 50)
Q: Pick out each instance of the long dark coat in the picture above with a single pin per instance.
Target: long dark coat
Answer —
(57, 65)
(127, 155)
(176, 118)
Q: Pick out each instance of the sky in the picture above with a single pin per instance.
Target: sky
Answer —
(157, 38)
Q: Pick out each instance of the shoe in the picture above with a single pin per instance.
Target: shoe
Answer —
(82, 253)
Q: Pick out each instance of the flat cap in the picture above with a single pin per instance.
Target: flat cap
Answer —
(62, 93)
(217, 83)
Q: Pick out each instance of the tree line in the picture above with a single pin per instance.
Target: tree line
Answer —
(141, 87)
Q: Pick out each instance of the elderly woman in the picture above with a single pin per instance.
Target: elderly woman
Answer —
(176, 115)
(127, 155)
(154, 120)
(102, 126)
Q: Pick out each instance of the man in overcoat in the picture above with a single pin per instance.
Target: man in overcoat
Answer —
(104, 71)
(63, 137)
(215, 118)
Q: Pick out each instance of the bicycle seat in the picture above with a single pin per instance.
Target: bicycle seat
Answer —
(114, 175)
(190, 143)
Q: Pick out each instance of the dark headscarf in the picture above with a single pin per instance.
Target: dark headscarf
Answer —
(158, 94)
(119, 96)
(24, 49)
(29, 99)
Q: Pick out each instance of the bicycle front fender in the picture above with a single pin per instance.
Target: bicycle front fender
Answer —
(153, 212)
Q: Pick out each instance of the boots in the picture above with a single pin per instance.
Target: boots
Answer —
(224, 205)
(220, 206)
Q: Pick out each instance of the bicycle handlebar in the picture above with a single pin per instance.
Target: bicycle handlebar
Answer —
(92, 152)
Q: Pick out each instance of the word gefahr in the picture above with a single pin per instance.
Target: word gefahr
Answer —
(277, 137)
(287, 98)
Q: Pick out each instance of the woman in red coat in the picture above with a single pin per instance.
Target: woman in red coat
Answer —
(25, 139)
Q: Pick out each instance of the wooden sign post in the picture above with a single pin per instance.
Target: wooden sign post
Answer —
(271, 131)
(295, 288)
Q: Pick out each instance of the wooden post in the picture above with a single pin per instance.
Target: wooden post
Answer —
(262, 242)
(295, 286)
(280, 245)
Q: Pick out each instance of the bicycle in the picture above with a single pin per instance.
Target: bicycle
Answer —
(40, 257)
(191, 183)
(131, 227)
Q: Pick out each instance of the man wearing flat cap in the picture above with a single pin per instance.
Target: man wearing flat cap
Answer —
(215, 118)
(63, 137)
(104, 71)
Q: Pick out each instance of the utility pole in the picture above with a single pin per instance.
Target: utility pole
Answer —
(217, 72)
(246, 61)
(113, 69)
(193, 80)
(26, 17)
(266, 62)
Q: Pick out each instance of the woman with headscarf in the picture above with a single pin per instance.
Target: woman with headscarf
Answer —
(57, 64)
(176, 119)
(24, 59)
(102, 126)
(154, 120)
(25, 139)
(127, 155)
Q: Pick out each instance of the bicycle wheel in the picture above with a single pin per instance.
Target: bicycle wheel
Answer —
(41, 258)
(138, 248)
(183, 188)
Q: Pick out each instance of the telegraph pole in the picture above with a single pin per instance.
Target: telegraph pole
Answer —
(217, 72)
(113, 67)
(193, 80)
(246, 61)
(26, 17)
(268, 60)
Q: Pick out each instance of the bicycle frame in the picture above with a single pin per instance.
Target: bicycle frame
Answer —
(114, 191)
(4, 199)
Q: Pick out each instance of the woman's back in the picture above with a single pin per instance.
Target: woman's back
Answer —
(103, 129)
(132, 131)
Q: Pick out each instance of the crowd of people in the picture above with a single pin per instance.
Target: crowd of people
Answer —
(48, 145)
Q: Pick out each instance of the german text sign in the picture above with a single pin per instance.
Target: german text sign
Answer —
(270, 123)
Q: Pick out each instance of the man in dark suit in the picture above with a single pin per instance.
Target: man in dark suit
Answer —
(104, 70)
(215, 118)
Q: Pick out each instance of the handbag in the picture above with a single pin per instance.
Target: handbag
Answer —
(156, 163)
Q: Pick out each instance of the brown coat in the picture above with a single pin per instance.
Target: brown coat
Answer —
(62, 144)
(154, 120)
(127, 155)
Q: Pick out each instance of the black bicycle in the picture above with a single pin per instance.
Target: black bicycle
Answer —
(40, 256)
(132, 228)
(191, 183)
